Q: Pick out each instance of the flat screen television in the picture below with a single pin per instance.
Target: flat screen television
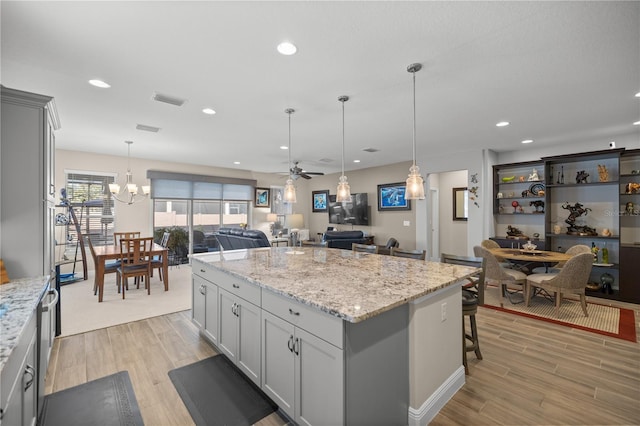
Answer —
(355, 212)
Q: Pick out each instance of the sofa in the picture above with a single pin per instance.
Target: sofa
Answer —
(343, 239)
(238, 238)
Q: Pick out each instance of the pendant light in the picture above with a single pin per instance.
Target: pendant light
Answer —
(415, 183)
(344, 191)
(289, 189)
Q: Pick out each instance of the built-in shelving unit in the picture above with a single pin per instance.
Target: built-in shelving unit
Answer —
(602, 183)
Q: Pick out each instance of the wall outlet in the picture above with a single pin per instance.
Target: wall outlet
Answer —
(406, 223)
(443, 312)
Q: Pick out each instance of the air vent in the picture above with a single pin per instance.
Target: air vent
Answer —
(148, 128)
(370, 150)
(168, 99)
(325, 160)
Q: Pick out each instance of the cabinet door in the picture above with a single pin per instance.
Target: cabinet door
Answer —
(319, 383)
(278, 361)
(211, 312)
(248, 359)
(199, 301)
(228, 337)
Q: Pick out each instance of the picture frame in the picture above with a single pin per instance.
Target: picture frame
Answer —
(391, 197)
(262, 198)
(320, 201)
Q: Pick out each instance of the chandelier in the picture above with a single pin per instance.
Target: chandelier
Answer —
(128, 193)
(415, 183)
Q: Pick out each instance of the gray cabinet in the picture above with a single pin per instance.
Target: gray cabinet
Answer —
(205, 307)
(27, 214)
(19, 381)
(302, 373)
(239, 336)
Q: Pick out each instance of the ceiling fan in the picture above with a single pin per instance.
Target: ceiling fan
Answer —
(297, 172)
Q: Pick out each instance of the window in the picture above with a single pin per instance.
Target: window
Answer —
(89, 194)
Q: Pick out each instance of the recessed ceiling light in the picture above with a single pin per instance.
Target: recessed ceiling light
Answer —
(209, 111)
(99, 83)
(637, 123)
(502, 123)
(356, 161)
(638, 95)
(236, 162)
(284, 147)
(286, 48)
(527, 141)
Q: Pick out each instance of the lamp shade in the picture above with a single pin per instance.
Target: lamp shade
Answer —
(294, 221)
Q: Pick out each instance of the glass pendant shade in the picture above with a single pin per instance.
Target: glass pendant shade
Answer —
(344, 190)
(289, 192)
(415, 184)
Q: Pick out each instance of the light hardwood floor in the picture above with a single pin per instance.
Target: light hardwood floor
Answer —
(532, 373)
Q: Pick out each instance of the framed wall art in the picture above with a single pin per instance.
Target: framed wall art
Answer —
(391, 196)
(262, 198)
(320, 200)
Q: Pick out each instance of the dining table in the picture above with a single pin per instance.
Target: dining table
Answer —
(112, 252)
(531, 256)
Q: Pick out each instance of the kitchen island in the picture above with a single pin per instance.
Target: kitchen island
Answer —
(333, 336)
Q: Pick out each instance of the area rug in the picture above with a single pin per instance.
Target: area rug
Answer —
(216, 393)
(106, 401)
(81, 311)
(602, 319)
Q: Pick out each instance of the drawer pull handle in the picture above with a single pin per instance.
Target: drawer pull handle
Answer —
(32, 372)
(292, 312)
(290, 344)
(296, 347)
(236, 286)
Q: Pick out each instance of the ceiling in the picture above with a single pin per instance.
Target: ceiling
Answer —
(559, 72)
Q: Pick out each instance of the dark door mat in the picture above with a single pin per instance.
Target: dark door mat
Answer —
(217, 393)
(106, 401)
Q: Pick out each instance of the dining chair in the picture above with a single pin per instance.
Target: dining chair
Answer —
(503, 277)
(386, 249)
(117, 236)
(411, 254)
(364, 248)
(157, 261)
(572, 278)
(573, 250)
(472, 296)
(135, 261)
(109, 267)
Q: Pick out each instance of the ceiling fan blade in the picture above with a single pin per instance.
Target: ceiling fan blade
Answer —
(305, 176)
(315, 173)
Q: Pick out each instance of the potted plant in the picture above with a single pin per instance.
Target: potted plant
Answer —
(178, 244)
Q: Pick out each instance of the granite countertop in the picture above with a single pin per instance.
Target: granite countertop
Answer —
(352, 286)
(18, 301)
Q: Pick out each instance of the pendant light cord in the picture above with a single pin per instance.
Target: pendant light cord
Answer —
(342, 138)
(414, 117)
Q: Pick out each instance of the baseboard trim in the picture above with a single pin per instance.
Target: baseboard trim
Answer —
(430, 408)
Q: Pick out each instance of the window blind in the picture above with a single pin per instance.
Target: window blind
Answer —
(185, 186)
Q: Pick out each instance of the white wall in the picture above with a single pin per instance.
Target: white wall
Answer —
(453, 233)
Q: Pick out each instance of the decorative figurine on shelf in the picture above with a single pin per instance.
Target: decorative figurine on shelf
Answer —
(629, 209)
(603, 173)
(526, 193)
(534, 176)
(581, 176)
(515, 205)
(632, 188)
(539, 206)
(576, 211)
(521, 179)
(606, 281)
(513, 232)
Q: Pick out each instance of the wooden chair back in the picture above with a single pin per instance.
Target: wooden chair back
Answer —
(476, 283)
(135, 260)
(365, 248)
(117, 236)
(410, 254)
